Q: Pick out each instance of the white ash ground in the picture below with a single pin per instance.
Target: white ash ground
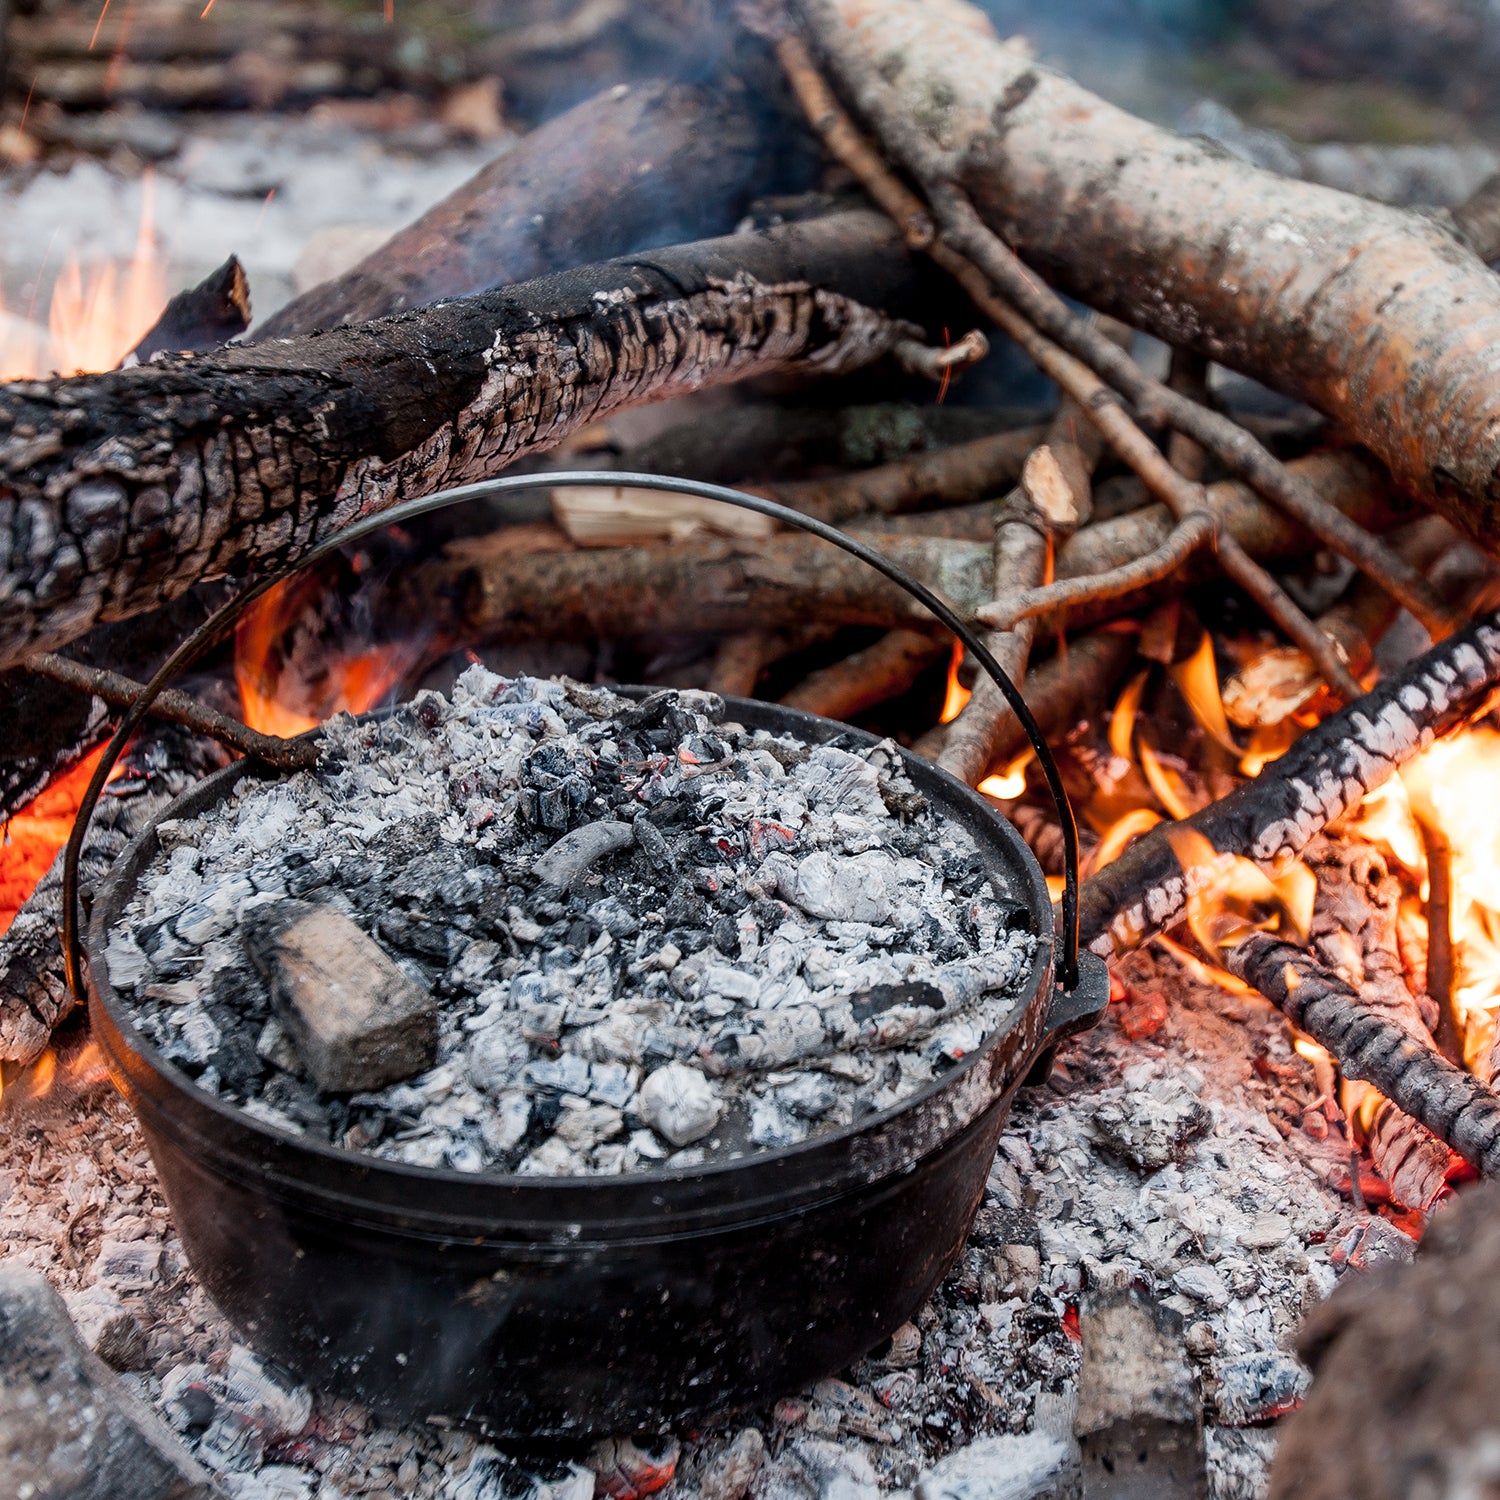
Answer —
(1241, 1236)
(777, 940)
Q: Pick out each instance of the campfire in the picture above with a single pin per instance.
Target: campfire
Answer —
(560, 994)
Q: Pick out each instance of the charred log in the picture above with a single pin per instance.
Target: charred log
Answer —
(202, 317)
(120, 491)
(652, 164)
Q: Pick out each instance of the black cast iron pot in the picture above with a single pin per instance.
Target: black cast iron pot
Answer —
(540, 1307)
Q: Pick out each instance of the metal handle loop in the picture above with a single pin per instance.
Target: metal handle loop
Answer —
(214, 627)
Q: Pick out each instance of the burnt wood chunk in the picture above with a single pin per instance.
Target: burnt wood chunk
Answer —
(68, 1426)
(1140, 1414)
(356, 1020)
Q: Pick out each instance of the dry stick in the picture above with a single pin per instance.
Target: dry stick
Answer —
(179, 708)
(738, 661)
(1439, 854)
(1327, 773)
(1451, 1103)
(1154, 403)
(1074, 682)
(1074, 377)
(1195, 531)
(1188, 376)
(875, 675)
(946, 476)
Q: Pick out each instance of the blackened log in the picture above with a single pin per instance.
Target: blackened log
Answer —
(1454, 1105)
(1325, 774)
(120, 491)
(640, 166)
(202, 316)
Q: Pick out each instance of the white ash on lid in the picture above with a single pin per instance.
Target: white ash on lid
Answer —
(649, 937)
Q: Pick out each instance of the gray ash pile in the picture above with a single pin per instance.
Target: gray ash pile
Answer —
(547, 929)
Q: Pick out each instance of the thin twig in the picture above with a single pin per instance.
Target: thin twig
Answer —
(1440, 935)
(179, 708)
(1154, 403)
(1101, 405)
(1186, 537)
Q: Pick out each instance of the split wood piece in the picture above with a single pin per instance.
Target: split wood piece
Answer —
(1324, 775)
(177, 707)
(68, 1424)
(946, 476)
(248, 456)
(1405, 1361)
(1140, 1413)
(632, 167)
(356, 1020)
(1354, 933)
(1075, 681)
(202, 317)
(1454, 1105)
(1377, 316)
(875, 675)
(1049, 502)
(158, 765)
(975, 273)
(492, 591)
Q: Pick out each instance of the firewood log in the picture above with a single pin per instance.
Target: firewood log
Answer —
(1378, 316)
(119, 491)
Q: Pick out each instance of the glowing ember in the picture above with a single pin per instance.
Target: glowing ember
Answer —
(1451, 786)
(97, 315)
(32, 838)
(957, 694)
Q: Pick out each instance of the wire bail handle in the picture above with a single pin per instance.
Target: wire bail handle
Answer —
(218, 623)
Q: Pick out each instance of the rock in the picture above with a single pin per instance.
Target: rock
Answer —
(356, 1020)
(679, 1104)
(69, 1429)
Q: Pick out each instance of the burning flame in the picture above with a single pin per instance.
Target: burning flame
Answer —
(270, 697)
(1011, 782)
(1451, 787)
(97, 315)
(30, 840)
(957, 694)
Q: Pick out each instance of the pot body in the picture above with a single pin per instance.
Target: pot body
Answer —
(538, 1307)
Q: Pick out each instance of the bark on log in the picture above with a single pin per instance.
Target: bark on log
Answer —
(652, 164)
(1451, 1103)
(877, 674)
(1378, 316)
(1324, 775)
(119, 491)
(496, 594)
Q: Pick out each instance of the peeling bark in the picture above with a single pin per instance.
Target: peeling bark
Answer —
(119, 491)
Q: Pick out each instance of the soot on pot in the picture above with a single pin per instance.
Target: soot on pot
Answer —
(546, 929)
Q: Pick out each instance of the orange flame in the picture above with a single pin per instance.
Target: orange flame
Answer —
(957, 694)
(272, 701)
(96, 315)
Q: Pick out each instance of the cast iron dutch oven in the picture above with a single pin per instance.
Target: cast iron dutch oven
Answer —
(550, 1307)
